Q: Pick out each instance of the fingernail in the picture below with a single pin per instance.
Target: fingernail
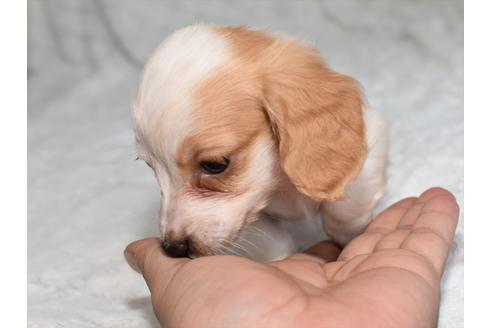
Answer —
(132, 261)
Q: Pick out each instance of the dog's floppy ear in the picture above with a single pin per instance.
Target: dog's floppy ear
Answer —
(317, 117)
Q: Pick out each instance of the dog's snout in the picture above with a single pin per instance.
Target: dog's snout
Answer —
(176, 248)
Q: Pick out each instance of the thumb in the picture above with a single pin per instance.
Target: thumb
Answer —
(146, 256)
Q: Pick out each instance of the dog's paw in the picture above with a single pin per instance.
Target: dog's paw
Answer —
(342, 232)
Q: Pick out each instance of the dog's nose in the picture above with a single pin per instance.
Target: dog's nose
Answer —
(176, 248)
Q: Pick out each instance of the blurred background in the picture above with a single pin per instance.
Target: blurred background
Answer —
(88, 198)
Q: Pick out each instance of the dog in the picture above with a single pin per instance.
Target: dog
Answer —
(239, 124)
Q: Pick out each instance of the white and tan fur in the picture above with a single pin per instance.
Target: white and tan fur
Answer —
(299, 137)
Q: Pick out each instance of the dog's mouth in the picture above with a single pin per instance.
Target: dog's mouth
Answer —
(225, 246)
(193, 247)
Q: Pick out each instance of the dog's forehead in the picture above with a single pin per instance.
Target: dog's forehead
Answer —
(163, 104)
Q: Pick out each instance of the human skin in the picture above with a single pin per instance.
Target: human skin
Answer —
(389, 276)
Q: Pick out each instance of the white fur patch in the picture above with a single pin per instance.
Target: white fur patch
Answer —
(216, 219)
(163, 104)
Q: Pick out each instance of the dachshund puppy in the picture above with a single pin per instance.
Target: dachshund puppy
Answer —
(238, 124)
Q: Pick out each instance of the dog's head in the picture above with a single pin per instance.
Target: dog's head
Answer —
(221, 113)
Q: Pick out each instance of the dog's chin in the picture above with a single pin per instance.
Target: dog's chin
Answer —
(225, 245)
(200, 249)
(228, 246)
(203, 251)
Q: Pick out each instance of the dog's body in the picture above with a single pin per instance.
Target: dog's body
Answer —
(237, 123)
(342, 220)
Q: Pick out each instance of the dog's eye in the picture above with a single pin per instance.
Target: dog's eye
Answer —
(212, 167)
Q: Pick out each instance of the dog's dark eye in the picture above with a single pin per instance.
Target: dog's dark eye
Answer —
(212, 167)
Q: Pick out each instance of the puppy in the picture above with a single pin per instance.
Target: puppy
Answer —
(238, 124)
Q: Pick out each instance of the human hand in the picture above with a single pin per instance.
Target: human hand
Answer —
(389, 276)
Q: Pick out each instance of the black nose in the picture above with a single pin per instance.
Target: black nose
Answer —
(176, 248)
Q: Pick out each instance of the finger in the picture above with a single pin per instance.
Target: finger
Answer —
(146, 256)
(440, 214)
(411, 216)
(362, 244)
(434, 192)
(390, 218)
(384, 224)
(434, 228)
(408, 220)
(326, 250)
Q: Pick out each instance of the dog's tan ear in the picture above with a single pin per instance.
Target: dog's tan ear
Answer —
(317, 117)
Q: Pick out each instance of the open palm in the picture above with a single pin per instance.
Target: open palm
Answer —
(387, 277)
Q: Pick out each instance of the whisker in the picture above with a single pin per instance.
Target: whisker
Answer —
(249, 242)
(225, 248)
(228, 249)
(258, 233)
(241, 248)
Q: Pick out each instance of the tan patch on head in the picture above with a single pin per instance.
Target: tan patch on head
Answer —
(227, 120)
(316, 112)
(248, 45)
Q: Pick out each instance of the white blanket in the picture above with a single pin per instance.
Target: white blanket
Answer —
(88, 198)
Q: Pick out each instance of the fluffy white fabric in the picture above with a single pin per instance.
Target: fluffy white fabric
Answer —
(87, 196)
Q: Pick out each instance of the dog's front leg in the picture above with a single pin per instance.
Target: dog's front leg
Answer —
(347, 218)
